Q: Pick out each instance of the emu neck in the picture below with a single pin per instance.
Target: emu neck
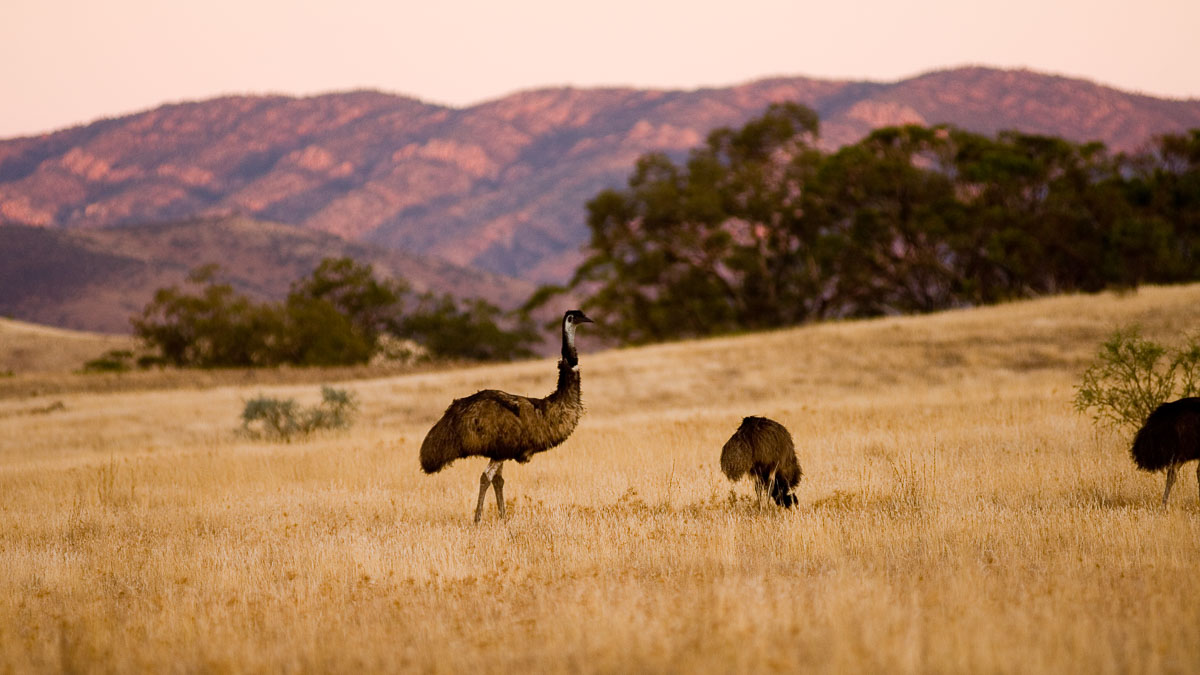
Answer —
(568, 387)
(569, 355)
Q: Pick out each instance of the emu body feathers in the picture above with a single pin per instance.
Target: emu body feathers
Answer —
(503, 426)
(1169, 437)
(763, 449)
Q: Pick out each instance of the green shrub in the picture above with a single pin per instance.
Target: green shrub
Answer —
(112, 361)
(284, 419)
(1132, 376)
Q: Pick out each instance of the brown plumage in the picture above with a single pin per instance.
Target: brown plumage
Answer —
(763, 448)
(503, 426)
(1169, 437)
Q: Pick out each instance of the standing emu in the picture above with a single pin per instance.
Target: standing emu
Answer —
(763, 448)
(1170, 437)
(501, 426)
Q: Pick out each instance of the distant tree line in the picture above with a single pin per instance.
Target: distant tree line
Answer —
(759, 228)
(341, 314)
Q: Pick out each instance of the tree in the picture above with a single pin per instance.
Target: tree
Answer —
(334, 316)
(759, 228)
(316, 333)
(352, 290)
(472, 331)
(212, 327)
(1163, 190)
(894, 222)
(715, 245)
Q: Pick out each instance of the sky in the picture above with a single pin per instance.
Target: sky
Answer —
(68, 62)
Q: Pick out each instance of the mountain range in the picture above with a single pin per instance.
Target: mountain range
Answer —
(494, 192)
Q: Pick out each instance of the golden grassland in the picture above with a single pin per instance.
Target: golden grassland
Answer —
(43, 361)
(27, 347)
(956, 515)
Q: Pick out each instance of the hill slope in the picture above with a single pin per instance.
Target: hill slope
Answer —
(27, 347)
(96, 279)
(501, 185)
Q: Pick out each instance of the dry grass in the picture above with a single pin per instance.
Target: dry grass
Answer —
(956, 516)
(43, 361)
(30, 348)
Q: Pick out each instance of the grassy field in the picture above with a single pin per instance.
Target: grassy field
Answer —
(956, 515)
(43, 361)
(30, 348)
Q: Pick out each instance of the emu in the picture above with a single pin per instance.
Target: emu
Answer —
(1169, 437)
(502, 426)
(763, 448)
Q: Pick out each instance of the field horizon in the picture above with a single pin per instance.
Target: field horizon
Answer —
(956, 515)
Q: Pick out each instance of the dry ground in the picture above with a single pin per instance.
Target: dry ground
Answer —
(956, 516)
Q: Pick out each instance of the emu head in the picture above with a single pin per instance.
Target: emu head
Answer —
(571, 319)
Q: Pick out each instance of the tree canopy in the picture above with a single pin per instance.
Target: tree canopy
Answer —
(337, 315)
(759, 228)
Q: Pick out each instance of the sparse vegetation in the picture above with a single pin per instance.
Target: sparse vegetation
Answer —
(1132, 376)
(285, 419)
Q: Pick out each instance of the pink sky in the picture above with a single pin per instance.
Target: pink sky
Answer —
(67, 62)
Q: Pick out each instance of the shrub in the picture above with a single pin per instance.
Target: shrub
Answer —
(284, 419)
(112, 361)
(1132, 376)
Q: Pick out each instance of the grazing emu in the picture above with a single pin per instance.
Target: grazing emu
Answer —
(501, 426)
(1170, 437)
(763, 448)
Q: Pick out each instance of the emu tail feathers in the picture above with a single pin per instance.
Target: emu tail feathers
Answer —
(1153, 446)
(439, 448)
(736, 458)
(1170, 435)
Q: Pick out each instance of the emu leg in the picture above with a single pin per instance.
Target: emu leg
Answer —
(1170, 482)
(498, 484)
(771, 486)
(485, 481)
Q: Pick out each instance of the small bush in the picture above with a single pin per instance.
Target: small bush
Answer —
(112, 361)
(336, 410)
(284, 419)
(1132, 376)
(149, 361)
